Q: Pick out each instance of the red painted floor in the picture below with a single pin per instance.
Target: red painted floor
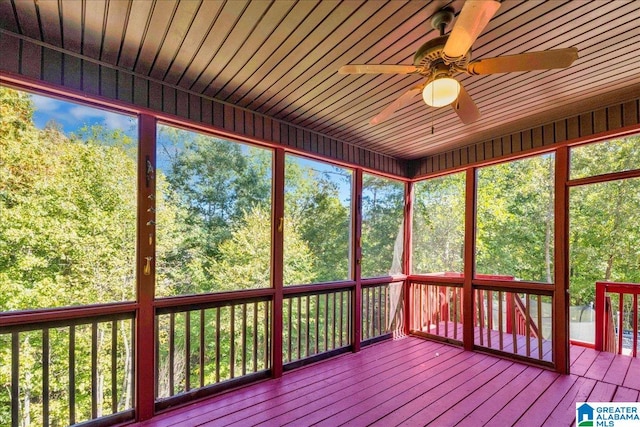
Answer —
(415, 382)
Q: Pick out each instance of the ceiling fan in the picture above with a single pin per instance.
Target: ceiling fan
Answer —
(440, 58)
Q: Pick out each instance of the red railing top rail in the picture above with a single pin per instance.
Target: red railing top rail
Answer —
(619, 287)
(602, 288)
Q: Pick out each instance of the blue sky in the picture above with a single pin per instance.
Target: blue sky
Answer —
(73, 116)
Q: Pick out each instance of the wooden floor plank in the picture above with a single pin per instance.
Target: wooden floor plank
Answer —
(444, 403)
(478, 398)
(632, 380)
(602, 392)
(367, 400)
(502, 396)
(564, 413)
(618, 370)
(624, 394)
(523, 399)
(584, 362)
(414, 400)
(342, 392)
(291, 382)
(324, 387)
(600, 366)
(413, 381)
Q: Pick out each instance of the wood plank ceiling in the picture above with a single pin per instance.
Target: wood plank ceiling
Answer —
(280, 58)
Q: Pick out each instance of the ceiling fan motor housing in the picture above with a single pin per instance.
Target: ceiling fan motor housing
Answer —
(428, 58)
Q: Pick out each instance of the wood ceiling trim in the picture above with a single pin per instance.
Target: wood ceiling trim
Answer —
(236, 42)
(294, 17)
(318, 96)
(9, 18)
(303, 53)
(137, 26)
(181, 22)
(49, 19)
(28, 19)
(265, 27)
(313, 69)
(162, 15)
(273, 55)
(72, 27)
(114, 30)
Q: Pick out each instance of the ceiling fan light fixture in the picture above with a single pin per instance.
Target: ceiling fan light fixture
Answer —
(441, 91)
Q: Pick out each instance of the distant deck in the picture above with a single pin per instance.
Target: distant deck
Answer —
(412, 381)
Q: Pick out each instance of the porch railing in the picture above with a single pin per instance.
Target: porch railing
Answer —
(511, 322)
(201, 347)
(436, 310)
(68, 366)
(314, 323)
(617, 317)
(382, 310)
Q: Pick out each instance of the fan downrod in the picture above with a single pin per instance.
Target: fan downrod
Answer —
(441, 19)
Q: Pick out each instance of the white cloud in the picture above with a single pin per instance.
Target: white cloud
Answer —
(73, 116)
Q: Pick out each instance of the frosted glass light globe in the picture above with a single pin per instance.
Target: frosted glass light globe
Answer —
(441, 92)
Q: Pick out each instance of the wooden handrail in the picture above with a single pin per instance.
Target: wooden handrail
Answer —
(605, 328)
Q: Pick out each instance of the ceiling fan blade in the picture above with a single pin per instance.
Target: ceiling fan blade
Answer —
(473, 18)
(543, 60)
(402, 101)
(464, 106)
(377, 69)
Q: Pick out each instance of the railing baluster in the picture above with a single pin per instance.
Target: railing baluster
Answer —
(489, 317)
(307, 325)
(539, 326)
(333, 335)
(187, 350)
(232, 344)
(255, 336)
(202, 346)
(527, 316)
(480, 314)
(317, 349)
(267, 333)
(620, 320)
(455, 312)
(15, 379)
(299, 325)
(290, 329)
(326, 322)
(379, 332)
(114, 364)
(217, 344)
(172, 349)
(45, 377)
(72, 374)
(500, 320)
(243, 336)
(341, 318)
(514, 325)
(438, 313)
(94, 370)
(635, 325)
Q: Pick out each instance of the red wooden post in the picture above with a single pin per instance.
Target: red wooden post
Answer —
(356, 260)
(408, 239)
(469, 259)
(561, 262)
(600, 318)
(145, 269)
(277, 261)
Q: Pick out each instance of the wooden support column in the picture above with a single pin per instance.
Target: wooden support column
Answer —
(561, 262)
(356, 257)
(145, 269)
(406, 252)
(469, 258)
(277, 261)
